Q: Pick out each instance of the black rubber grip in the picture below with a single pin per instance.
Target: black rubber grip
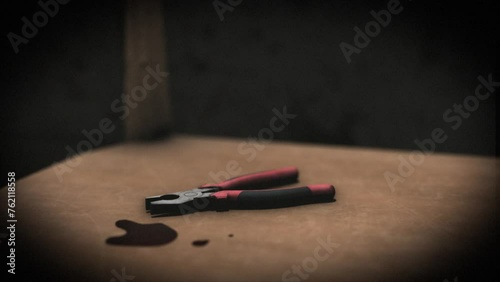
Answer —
(279, 198)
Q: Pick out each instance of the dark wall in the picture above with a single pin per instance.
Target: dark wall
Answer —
(59, 83)
(227, 76)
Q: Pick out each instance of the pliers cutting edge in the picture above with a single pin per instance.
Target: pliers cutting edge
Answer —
(240, 193)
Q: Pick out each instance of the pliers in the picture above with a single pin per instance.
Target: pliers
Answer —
(240, 193)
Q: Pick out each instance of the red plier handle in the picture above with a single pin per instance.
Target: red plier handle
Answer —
(265, 179)
(241, 192)
(259, 180)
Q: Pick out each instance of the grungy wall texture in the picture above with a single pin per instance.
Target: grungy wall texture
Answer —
(60, 83)
(227, 76)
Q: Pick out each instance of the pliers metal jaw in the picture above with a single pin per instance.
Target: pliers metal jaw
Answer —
(225, 195)
(180, 202)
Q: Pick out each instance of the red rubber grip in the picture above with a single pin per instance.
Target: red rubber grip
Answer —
(231, 195)
(260, 179)
(322, 189)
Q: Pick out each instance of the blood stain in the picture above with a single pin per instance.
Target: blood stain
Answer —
(143, 234)
(200, 243)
